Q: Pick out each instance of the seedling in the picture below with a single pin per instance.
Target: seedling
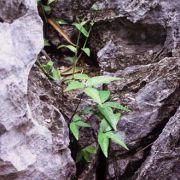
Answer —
(104, 109)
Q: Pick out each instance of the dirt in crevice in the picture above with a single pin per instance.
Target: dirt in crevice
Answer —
(101, 168)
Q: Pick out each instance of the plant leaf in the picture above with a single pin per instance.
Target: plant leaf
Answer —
(74, 129)
(56, 74)
(70, 59)
(46, 43)
(79, 156)
(87, 156)
(87, 51)
(104, 126)
(47, 67)
(74, 85)
(47, 9)
(90, 149)
(104, 95)
(116, 106)
(103, 141)
(107, 112)
(81, 76)
(81, 28)
(70, 47)
(60, 30)
(117, 139)
(87, 110)
(61, 22)
(82, 124)
(94, 94)
(50, 1)
(85, 153)
(76, 117)
(94, 81)
(117, 118)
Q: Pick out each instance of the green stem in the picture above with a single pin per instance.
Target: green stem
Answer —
(76, 54)
(77, 45)
(87, 38)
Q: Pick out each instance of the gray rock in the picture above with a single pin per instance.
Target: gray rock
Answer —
(152, 92)
(28, 149)
(135, 32)
(164, 159)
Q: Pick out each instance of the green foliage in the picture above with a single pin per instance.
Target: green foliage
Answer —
(109, 116)
(94, 94)
(104, 110)
(74, 129)
(116, 138)
(81, 76)
(98, 80)
(70, 47)
(87, 51)
(45, 9)
(82, 29)
(61, 21)
(73, 85)
(77, 123)
(86, 153)
(47, 67)
(104, 95)
(51, 71)
(76, 49)
(116, 106)
(46, 42)
(50, 1)
(56, 74)
(103, 141)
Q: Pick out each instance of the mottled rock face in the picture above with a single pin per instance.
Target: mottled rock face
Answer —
(152, 92)
(163, 161)
(137, 33)
(28, 149)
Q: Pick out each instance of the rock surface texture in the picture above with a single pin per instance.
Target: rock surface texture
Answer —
(140, 41)
(29, 148)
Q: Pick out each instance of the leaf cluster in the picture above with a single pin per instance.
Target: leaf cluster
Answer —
(106, 110)
(51, 71)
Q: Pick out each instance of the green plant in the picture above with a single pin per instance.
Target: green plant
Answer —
(44, 7)
(76, 49)
(50, 70)
(104, 109)
(86, 153)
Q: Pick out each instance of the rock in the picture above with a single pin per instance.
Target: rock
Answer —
(134, 32)
(45, 104)
(28, 149)
(163, 161)
(138, 32)
(152, 92)
(71, 9)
